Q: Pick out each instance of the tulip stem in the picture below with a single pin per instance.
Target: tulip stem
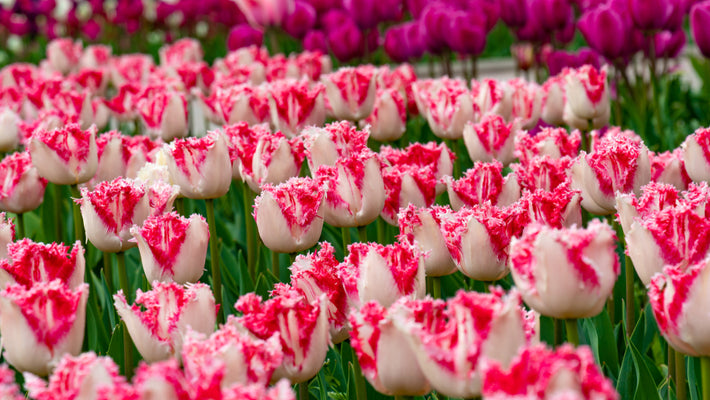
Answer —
(214, 257)
(20, 226)
(360, 388)
(557, 330)
(630, 299)
(303, 393)
(705, 376)
(435, 286)
(345, 233)
(572, 331)
(671, 365)
(249, 230)
(127, 341)
(681, 386)
(78, 224)
(362, 233)
(108, 272)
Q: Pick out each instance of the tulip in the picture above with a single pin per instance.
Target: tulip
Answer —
(437, 157)
(10, 137)
(41, 324)
(164, 113)
(28, 263)
(345, 40)
(265, 13)
(617, 164)
(387, 359)
(582, 262)
(65, 156)
(161, 380)
(7, 234)
(274, 159)
(696, 155)
(422, 226)
(315, 40)
(650, 15)
(356, 190)
(491, 96)
(491, 139)
(605, 28)
(301, 19)
(23, 188)
(456, 338)
(372, 271)
(544, 172)
(280, 391)
(123, 104)
(243, 35)
(316, 274)
(514, 12)
(553, 100)
(388, 120)
(180, 52)
(243, 103)
(111, 149)
(63, 55)
(478, 240)
(526, 102)
(655, 197)
(447, 105)
(484, 182)
(110, 210)
(8, 387)
(240, 357)
(467, 35)
(537, 372)
(289, 217)
(200, 166)
(587, 94)
(95, 56)
(160, 318)
(160, 192)
(351, 92)
(558, 208)
(304, 339)
(669, 167)
(172, 248)
(699, 19)
(295, 105)
(552, 142)
(407, 184)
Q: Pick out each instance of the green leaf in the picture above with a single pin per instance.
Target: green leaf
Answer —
(645, 384)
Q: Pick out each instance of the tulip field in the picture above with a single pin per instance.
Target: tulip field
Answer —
(325, 199)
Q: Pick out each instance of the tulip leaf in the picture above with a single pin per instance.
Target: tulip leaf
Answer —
(600, 336)
(645, 384)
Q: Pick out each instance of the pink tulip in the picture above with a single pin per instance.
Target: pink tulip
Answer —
(180, 52)
(63, 55)
(304, 339)
(407, 184)
(316, 274)
(95, 56)
(42, 323)
(446, 104)
(491, 96)
(491, 139)
(387, 359)
(110, 210)
(544, 172)
(10, 137)
(265, 13)
(436, 156)
(172, 248)
(274, 159)
(484, 182)
(289, 217)
(295, 105)
(134, 68)
(84, 376)
(560, 207)
(200, 166)
(537, 372)
(582, 262)
(552, 142)
(617, 164)
(280, 391)
(234, 355)
(65, 156)
(351, 92)
(28, 263)
(22, 189)
(243, 103)
(164, 380)
(372, 271)
(164, 112)
(654, 197)
(422, 226)
(401, 79)
(7, 234)
(669, 167)
(159, 318)
(356, 190)
(587, 94)
(696, 155)
(478, 240)
(526, 102)
(388, 120)
(338, 139)
(8, 387)
(452, 340)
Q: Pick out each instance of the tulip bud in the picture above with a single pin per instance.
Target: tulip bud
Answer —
(243, 103)
(265, 13)
(338, 139)
(544, 172)
(200, 166)
(164, 112)
(553, 142)
(351, 92)
(63, 55)
(10, 137)
(582, 262)
(617, 164)
(422, 226)
(553, 100)
(491, 139)
(483, 182)
(295, 105)
(558, 208)
(699, 19)
(160, 318)
(587, 94)
(650, 15)
(274, 159)
(95, 56)
(388, 120)
(491, 96)
(65, 156)
(438, 157)
(526, 102)
(563, 373)
(42, 323)
(372, 271)
(407, 184)
(605, 29)
(696, 155)
(161, 380)
(669, 167)
(447, 105)
(180, 52)
(22, 188)
(289, 217)
(172, 248)
(304, 339)
(28, 263)
(452, 342)
(316, 274)
(387, 359)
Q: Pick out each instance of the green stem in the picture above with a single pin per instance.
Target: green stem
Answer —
(681, 386)
(557, 329)
(585, 141)
(671, 367)
(127, 341)
(572, 332)
(381, 230)
(214, 257)
(360, 388)
(362, 233)
(345, 233)
(275, 267)
(180, 206)
(58, 223)
(435, 286)
(630, 298)
(108, 272)
(249, 230)
(457, 165)
(705, 376)
(78, 224)
(303, 393)
(20, 226)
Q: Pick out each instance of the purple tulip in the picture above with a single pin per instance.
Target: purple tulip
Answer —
(396, 45)
(699, 22)
(322, 6)
(389, 10)
(435, 23)
(675, 21)
(334, 19)
(244, 36)
(551, 14)
(669, 44)
(416, 7)
(363, 12)
(301, 20)
(91, 29)
(346, 41)
(514, 12)
(605, 30)
(467, 34)
(650, 15)
(558, 60)
(315, 40)
(532, 31)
